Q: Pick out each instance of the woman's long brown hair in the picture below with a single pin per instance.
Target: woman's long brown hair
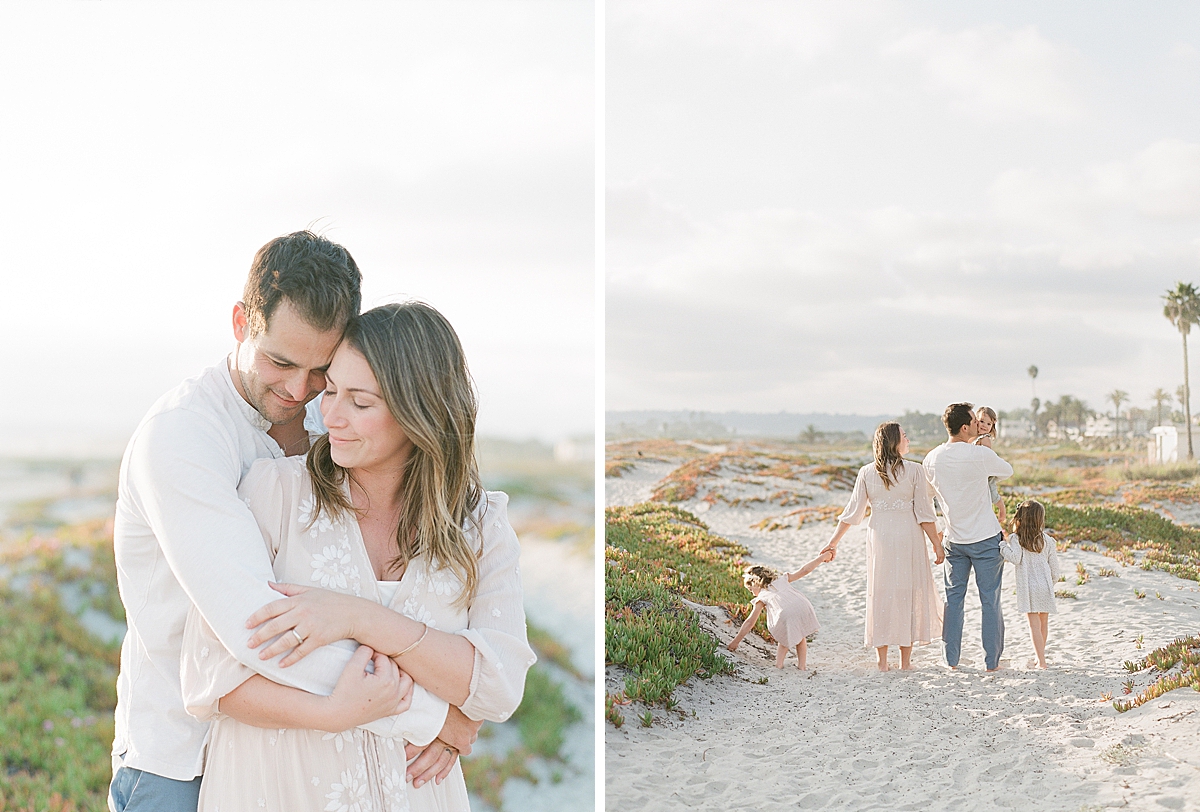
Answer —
(888, 462)
(422, 373)
(1029, 523)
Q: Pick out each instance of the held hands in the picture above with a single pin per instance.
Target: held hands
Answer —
(831, 549)
(361, 697)
(435, 760)
(304, 621)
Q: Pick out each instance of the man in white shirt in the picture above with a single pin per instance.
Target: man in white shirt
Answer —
(182, 535)
(958, 471)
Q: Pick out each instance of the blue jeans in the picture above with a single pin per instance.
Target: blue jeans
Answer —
(138, 791)
(984, 557)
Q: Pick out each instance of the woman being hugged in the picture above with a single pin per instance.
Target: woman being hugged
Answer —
(902, 606)
(388, 539)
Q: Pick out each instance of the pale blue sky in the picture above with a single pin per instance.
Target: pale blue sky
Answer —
(150, 149)
(868, 207)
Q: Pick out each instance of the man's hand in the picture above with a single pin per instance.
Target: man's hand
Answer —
(360, 697)
(435, 761)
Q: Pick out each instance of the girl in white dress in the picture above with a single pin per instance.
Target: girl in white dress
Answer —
(987, 436)
(790, 617)
(388, 539)
(1034, 553)
(903, 607)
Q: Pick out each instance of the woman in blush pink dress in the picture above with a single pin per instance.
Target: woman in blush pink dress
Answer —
(902, 605)
(386, 537)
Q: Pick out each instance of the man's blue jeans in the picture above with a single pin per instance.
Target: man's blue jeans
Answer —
(984, 557)
(138, 791)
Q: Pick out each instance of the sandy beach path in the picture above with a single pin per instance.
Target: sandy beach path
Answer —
(842, 735)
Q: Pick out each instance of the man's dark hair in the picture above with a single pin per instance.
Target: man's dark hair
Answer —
(317, 276)
(956, 416)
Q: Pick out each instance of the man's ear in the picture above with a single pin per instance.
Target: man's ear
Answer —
(239, 322)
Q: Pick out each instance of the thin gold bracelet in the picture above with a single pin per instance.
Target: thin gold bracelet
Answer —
(414, 645)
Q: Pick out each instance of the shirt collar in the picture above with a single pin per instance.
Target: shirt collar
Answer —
(245, 409)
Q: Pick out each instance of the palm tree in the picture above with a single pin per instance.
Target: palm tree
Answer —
(1160, 397)
(1181, 307)
(1117, 397)
(1032, 373)
(1034, 405)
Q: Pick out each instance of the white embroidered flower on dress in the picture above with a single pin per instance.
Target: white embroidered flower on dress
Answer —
(305, 510)
(330, 567)
(421, 614)
(340, 739)
(495, 613)
(394, 789)
(350, 794)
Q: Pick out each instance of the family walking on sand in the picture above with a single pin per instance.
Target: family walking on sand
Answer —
(903, 608)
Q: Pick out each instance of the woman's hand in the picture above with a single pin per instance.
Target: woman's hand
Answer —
(304, 621)
(435, 760)
(360, 697)
(939, 550)
(830, 548)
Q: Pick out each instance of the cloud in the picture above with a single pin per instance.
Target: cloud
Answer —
(996, 74)
(1159, 183)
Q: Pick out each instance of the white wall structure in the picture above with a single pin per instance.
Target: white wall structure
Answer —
(1165, 446)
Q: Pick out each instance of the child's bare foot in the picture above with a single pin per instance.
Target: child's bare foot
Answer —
(883, 667)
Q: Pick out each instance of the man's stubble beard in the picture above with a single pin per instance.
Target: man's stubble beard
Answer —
(258, 397)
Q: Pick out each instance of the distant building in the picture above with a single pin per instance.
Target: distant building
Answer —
(1061, 432)
(1021, 428)
(1164, 447)
(1100, 426)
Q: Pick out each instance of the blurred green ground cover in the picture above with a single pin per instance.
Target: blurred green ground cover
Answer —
(57, 691)
(654, 555)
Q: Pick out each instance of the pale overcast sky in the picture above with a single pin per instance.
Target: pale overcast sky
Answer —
(149, 150)
(868, 207)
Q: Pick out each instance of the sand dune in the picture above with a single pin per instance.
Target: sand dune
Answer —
(843, 735)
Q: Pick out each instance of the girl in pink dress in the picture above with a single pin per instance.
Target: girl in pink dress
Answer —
(790, 617)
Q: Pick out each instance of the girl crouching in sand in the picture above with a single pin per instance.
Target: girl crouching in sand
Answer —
(1035, 555)
(790, 617)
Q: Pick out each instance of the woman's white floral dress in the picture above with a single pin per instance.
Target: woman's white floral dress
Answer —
(249, 768)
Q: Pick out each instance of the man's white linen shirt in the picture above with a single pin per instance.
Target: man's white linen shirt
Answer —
(959, 475)
(183, 535)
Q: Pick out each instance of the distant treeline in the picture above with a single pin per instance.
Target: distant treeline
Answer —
(815, 427)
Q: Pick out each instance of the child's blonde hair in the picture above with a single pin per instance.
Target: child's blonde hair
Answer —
(759, 576)
(1029, 524)
(992, 415)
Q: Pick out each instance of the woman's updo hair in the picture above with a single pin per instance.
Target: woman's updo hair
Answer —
(759, 576)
